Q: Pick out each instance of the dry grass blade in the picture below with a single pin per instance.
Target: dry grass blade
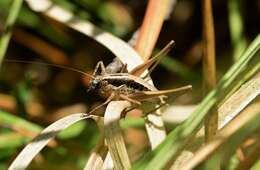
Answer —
(155, 129)
(118, 47)
(154, 17)
(108, 163)
(181, 113)
(239, 100)
(97, 157)
(223, 136)
(114, 136)
(182, 160)
(32, 149)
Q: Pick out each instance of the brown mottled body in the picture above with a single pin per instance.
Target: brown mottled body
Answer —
(119, 84)
(129, 86)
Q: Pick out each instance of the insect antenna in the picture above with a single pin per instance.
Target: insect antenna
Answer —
(49, 64)
(160, 54)
(152, 62)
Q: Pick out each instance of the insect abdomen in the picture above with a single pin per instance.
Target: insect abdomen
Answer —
(128, 82)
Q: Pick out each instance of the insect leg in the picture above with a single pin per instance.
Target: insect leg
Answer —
(144, 114)
(100, 65)
(124, 69)
(109, 99)
(146, 95)
(153, 110)
(125, 97)
(162, 53)
(119, 90)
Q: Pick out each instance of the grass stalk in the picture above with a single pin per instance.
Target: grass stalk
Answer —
(209, 66)
(151, 27)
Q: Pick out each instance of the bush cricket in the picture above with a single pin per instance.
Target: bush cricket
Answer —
(123, 85)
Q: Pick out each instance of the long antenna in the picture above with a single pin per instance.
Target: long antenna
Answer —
(161, 53)
(48, 64)
(152, 62)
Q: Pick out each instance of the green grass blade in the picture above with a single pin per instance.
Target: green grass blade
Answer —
(9, 119)
(32, 149)
(5, 38)
(12, 140)
(236, 28)
(15, 139)
(179, 137)
(12, 120)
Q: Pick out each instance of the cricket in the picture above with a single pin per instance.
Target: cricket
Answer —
(123, 85)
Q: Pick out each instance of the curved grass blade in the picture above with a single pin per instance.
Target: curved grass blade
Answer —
(117, 46)
(114, 136)
(98, 154)
(24, 158)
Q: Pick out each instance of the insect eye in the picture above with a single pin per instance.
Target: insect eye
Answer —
(95, 81)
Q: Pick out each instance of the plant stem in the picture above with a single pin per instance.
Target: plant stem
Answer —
(151, 27)
(209, 66)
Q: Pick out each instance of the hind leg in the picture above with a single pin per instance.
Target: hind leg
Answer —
(100, 69)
